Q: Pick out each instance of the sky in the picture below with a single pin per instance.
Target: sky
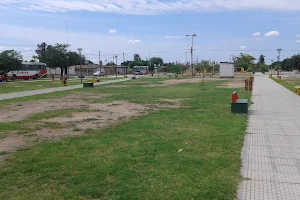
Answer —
(153, 28)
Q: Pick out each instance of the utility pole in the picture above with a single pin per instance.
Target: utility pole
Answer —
(298, 62)
(116, 66)
(79, 51)
(100, 63)
(192, 49)
(278, 60)
(124, 63)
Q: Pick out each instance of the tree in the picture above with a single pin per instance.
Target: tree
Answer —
(157, 61)
(136, 57)
(10, 60)
(261, 60)
(244, 61)
(263, 68)
(58, 56)
(110, 63)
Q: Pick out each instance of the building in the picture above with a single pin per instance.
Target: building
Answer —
(143, 69)
(226, 70)
(87, 70)
(110, 70)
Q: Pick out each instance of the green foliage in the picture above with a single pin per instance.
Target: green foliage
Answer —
(250, 69)
(58, 56)
(261, 60)
(136, 57)
(290, 63)
(175, 69)
(10, 60)
(263, 68)
(245, 61)
(209, 65)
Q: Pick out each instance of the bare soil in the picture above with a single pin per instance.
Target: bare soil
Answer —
(20, 111)
(233, 84)
(100, 115)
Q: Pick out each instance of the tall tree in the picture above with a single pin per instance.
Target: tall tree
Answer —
(10, 60)
(157, 61)
(136, 57)
(261, 60)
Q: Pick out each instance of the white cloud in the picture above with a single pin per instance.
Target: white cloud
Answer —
(112, 31)
(297, 41)
(298, 36)
(243, 47)
(134, 41)
(27, 49)
(2, 48)
(173, 37)
(257, 34)
(272, 34)
(151, 7)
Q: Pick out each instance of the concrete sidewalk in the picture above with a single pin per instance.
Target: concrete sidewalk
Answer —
(57, 89)
(271, 153)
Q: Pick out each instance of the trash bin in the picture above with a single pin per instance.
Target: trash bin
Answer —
(86, 85)
(248, 84)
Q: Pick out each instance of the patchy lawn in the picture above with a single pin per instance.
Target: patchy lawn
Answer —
(23, 85)
(181, 143)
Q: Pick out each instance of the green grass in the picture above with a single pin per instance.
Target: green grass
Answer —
(20, 86)
(290, 83)
(139, 159)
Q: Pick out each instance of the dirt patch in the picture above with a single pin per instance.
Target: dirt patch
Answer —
(233, 84)
(101, 115)
(20, 111)
(181, 81)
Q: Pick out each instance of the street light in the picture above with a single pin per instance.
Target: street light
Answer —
(192, 48)
(79, 51)
(271, 67)
(278, 60)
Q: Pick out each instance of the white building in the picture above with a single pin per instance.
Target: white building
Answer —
(226, 70)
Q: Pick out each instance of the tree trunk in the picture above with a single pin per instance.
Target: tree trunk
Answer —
(66, 71)
(61, 72)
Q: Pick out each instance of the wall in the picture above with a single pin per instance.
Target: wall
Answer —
(226, 70)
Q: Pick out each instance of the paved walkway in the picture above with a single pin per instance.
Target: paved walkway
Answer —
(271, 153)
(49, 90)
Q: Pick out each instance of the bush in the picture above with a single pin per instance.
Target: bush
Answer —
(250, 69)
(263, 68)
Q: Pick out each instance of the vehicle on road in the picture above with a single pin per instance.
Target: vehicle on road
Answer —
(29, 70)
(98, 73)
(138, 73)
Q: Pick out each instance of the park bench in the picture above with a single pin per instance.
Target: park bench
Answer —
(297, 90)
(239, 105)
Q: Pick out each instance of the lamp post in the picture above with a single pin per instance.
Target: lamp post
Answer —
(278, 60)
(116, 66)
(271, 67)
(192, 48)
(79, 51)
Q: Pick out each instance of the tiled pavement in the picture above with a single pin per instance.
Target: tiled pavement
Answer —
(49, 90)
(271, 152)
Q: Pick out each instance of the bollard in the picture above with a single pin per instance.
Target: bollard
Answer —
(234, 97)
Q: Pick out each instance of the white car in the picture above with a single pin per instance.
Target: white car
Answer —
(98, 73)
